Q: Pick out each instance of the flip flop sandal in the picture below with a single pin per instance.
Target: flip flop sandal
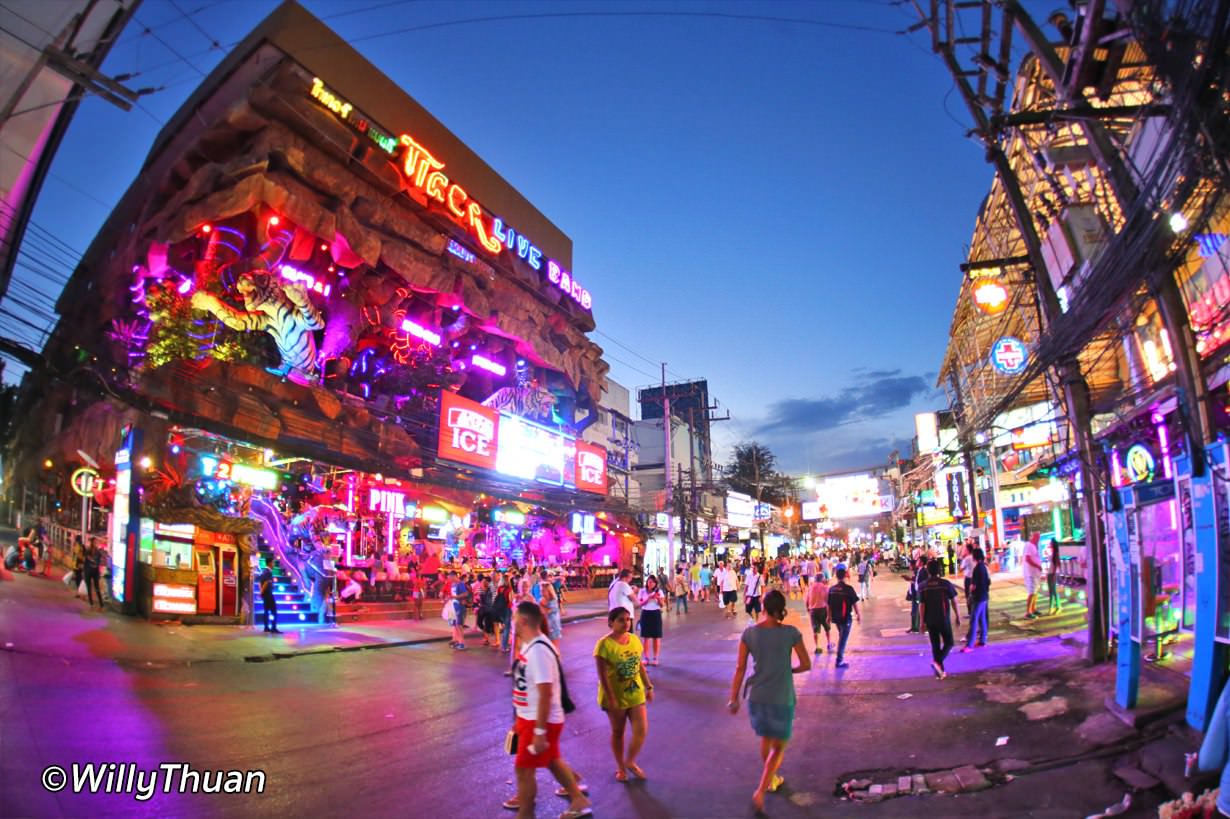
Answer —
(637, 771)
(511, 804)
(621, 776)
(577, 814)
(563, 792)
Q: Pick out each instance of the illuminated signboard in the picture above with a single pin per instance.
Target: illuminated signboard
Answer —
(171, 598)
(467, 431)
(583, 522)
(1032, 437)
(530, 451)
(1008, 355)
(425, 173)
(739, 510)
(481, 436)
(221, 469)
(811, 510)
(850, 496)
(591, 468)
(82, 481)
(389, 501)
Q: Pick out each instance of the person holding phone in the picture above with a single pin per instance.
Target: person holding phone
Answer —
(652, 600)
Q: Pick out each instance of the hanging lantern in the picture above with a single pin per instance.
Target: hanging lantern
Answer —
(991, 296)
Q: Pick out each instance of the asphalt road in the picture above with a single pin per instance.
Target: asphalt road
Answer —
(417, 731)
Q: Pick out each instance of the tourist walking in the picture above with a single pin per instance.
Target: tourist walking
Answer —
(866, 570)
(918, 576)
(551, 606)
(538, 701)
(939, 614)
(1031, 571)
(706, 580)
(623, 690)
(620, 594)
(652, 600)
(753, 587)
(681, 592)
(268, 601)
(92, 574)
(843, 609)
(818, 609)
(770, 691)
(979, 600)
(501, 614)
(1052, 580)
(728, 582)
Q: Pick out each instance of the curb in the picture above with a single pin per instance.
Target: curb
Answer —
(322, 650)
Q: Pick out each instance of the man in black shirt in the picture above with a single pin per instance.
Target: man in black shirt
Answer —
(936, 602)
(918, 578)
(979, 598)
(843, 607)
(268, 600)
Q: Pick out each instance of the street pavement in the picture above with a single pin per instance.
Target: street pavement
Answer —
(416, 729)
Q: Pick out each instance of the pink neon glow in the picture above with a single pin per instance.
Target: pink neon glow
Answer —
(487, 364)
(1174, 517)
(1163, 438)
(421, 332)
(349, 508)
(1116, 471)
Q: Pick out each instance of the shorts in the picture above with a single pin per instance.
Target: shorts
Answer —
(555, 629)
(1031, 584)
(771, 721)
(819, 619)
(752, 605)
(794, 581)
(729, 598)
(525, 737)
(695, 587)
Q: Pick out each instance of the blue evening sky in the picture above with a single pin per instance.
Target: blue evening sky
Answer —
(777, 207)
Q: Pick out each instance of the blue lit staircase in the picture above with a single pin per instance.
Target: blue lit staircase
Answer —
(294, 607)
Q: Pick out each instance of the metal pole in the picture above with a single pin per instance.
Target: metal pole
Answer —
(666, 472)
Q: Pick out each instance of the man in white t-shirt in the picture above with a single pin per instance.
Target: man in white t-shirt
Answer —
(728, 582)
(538, 702)
(621, 595)
(1031, 570)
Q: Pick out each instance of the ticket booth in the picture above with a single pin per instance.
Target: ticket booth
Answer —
(206, 580)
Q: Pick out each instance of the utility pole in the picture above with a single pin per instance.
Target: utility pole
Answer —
(668, 497)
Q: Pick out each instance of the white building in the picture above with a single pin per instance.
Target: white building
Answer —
(613, 430)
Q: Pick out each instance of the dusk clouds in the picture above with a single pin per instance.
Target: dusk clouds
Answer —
(874, 394)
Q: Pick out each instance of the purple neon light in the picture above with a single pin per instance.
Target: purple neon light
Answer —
(1163, 439)
(487, 364)
(1116, 471)
(419, 331)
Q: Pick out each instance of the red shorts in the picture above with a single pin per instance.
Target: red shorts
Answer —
(525, 738)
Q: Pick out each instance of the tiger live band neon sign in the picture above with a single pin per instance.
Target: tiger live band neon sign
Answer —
(421, 169)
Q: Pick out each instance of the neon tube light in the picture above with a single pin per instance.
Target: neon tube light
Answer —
(421, 332)
(1163, 439)
(487, 364)
(1116, 471)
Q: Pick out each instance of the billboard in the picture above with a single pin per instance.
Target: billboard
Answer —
(480, 436)
(740, 510)
(850, 496)
(811, 510)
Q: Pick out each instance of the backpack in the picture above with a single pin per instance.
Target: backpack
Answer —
(839, 603)
(565, 701)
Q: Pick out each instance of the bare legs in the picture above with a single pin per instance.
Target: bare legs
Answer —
(527, 787)
(625, 760)
(772, 751)
(653, 648)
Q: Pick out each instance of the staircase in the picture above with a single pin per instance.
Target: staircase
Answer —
(294, 606)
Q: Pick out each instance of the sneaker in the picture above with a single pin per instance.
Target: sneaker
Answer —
(842, 664)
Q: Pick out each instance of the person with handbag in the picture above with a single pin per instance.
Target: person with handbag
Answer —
(540, 700)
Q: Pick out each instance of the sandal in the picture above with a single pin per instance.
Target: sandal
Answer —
(511, 804)
(577, 813)
(621, 776)
(637, 770)
(777, 782)
(563, 792)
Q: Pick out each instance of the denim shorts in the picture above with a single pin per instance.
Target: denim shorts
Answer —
(771, 721)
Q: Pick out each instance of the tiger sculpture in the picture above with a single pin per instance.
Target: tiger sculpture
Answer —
(283, 311)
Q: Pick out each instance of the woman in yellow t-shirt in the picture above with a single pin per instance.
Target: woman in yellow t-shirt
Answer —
(623, 690)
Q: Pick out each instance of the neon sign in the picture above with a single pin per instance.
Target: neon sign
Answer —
(425, 172)
(82, 481)
(1139, 464)
(225, 470)
(309, 281)
(467, 431)
(421, 332)
(460, 252)
(1008, 356)
(388, 501)
(482, 362)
